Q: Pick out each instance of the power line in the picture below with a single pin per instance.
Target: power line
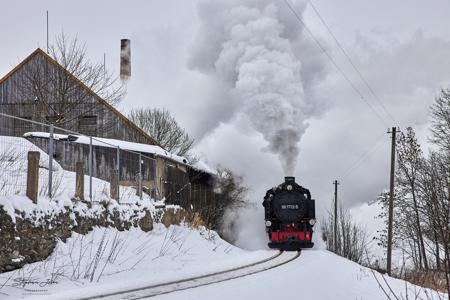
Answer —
(353, 166)
(363, 156)
(363, 79)
(361, 96)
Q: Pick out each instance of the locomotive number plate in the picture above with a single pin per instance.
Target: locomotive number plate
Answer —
(289, 206)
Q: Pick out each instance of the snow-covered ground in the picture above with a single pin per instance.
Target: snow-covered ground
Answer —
(13, 176)
(316, 274)
(107, 260)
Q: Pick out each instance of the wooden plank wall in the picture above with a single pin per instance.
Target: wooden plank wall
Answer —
(16, 102)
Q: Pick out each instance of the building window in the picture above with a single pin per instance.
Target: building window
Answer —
(51, 119)
(87, 125)
(20, 126)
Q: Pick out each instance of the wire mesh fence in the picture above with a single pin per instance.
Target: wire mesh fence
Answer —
(60, 150)
(13, 165)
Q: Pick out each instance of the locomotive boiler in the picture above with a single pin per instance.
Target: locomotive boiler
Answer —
(289, 216)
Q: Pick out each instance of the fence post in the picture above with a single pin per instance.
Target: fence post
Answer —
(90, 168)
(114, 185)
(79, 180)
(50, 162)
(118, 173)
(33, 175)
(140, 177)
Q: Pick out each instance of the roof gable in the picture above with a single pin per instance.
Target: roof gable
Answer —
(39, 51)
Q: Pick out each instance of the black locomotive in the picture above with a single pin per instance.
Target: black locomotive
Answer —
(290, 216)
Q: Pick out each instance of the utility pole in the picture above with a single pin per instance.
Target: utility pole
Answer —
(335, 215)
(47, 31)
(391, 203)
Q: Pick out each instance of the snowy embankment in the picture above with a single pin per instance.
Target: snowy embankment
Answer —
(316, 274)
(107, 260)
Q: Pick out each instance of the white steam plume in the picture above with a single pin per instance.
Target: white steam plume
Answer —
(255, 49)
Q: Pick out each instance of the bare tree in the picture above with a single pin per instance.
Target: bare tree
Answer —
(440, 115)
(230, 195)
(438, 177)
(351, 240)
(409, 161)
(422, 210)
(57, 92)
(163, 127)
(434, 191)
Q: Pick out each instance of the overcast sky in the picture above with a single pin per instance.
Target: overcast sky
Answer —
(401, 47)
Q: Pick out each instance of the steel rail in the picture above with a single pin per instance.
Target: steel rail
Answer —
(189, 283)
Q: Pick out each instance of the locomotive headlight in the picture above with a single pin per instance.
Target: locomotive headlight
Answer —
(268, 223)
(312, 222)
(289, 187)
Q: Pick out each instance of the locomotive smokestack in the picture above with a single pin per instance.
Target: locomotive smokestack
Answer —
(125, 59)
(289, 179)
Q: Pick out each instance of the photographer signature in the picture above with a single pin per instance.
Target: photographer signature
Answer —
(23, 282)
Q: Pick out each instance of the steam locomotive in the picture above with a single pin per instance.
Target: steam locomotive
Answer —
(290, 216)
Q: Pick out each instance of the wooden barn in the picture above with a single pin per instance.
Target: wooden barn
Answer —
(31, 91)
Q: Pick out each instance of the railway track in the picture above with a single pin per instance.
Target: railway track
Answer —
(277, 260)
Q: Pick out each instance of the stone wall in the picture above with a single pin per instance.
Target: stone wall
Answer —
(33, 237)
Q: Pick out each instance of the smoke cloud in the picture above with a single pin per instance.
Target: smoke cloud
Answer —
(255, 49)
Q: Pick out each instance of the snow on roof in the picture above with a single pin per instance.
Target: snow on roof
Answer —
(124, 145)
(202, 166)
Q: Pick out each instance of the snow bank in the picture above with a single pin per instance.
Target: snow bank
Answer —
(317, 275)
(109, 260)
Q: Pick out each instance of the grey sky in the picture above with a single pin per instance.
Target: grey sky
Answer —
(402, 48)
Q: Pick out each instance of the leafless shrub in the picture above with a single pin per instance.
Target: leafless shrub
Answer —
(13, 171)
(91, 270)
(411, 292)
(172, 239)
(195, 221)
(230, 195)
(351, 239)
